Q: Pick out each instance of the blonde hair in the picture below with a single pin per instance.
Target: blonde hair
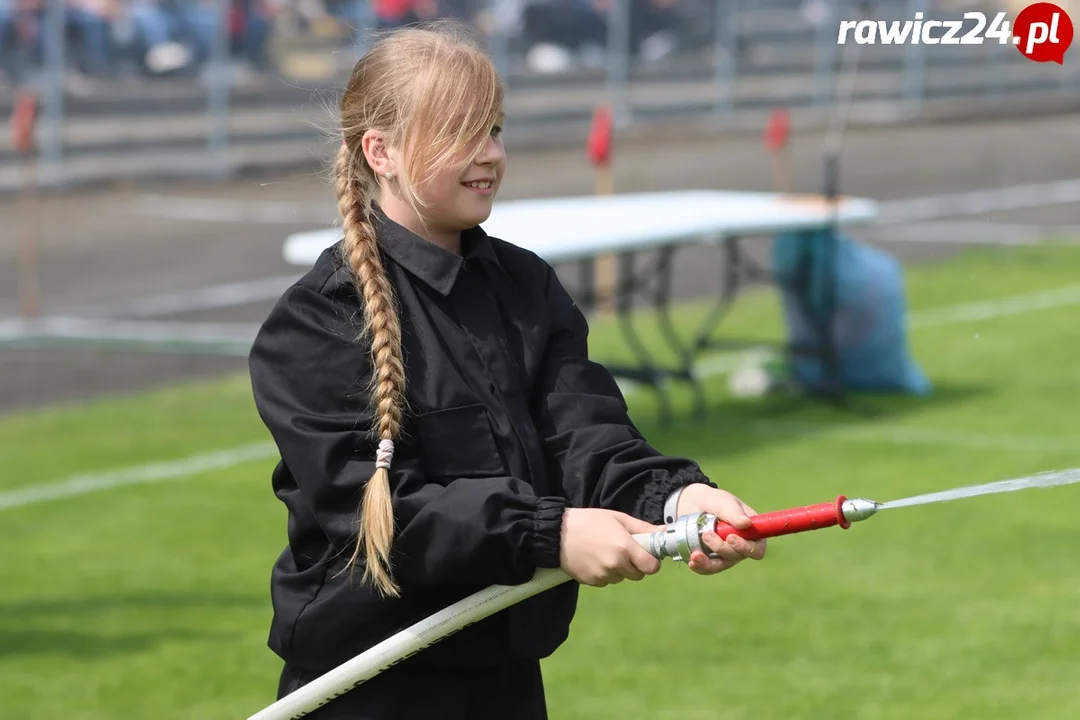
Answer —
(433, 93)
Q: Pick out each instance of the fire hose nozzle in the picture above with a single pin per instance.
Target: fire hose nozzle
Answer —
(858, 509)
(679, 539)
(682, 537)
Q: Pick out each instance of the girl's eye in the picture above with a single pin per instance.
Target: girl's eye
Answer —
(496, 131)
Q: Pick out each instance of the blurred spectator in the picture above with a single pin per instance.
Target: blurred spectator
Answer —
(252, 23)
(181, 34)
(177, 38)
(153, 32)
(556, 32)
(90, 22)
(8, 38)
(158, 37)
(390, 14)
(352, 13)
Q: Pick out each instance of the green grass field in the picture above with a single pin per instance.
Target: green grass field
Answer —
(151, 601)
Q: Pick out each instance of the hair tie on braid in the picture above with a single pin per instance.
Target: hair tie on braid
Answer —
(385, 454)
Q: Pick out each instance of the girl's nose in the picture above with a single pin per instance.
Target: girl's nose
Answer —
(491, 154)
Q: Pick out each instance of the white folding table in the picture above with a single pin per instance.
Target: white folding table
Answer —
(579, 229)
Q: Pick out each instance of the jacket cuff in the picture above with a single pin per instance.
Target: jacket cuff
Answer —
(652, 501)
(547, 531)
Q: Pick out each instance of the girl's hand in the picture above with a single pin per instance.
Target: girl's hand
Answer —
(597, 547)
(728, 508)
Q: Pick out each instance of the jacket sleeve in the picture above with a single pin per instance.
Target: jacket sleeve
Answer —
(309, 376)
(582, 416)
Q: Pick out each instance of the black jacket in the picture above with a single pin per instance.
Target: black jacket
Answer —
(508, 422)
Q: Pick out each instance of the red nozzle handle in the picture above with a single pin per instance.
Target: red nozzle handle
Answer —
(786, 522)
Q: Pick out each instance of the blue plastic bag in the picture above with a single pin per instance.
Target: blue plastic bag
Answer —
(869, 328)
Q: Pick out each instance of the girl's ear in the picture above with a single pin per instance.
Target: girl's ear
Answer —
(376, 152)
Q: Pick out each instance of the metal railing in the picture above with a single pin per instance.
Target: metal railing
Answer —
(202, 86)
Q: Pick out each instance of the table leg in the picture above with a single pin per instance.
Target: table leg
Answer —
(626, 286)
(685, 352)
(587, 293)
(646, 371)
(828, 305)
(738, 269)
(729, 286)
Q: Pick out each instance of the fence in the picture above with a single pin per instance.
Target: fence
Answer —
(205, 87)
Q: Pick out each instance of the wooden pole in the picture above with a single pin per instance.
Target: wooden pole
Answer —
(23, 121)
(606, 270)
(29, 255)
(783, 170)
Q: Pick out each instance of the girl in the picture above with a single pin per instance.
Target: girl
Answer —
(440, 424)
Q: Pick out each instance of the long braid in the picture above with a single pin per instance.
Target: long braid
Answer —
(431, 94)
(383, 327)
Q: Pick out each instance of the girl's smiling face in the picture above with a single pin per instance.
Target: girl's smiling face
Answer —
(460, 198)
(454, 198)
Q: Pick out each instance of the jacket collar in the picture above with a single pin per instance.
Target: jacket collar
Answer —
(434, 265)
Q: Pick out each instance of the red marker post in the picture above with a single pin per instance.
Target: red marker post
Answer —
(599, 148)
(1043, 32)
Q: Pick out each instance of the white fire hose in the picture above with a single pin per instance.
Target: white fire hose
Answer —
(677, 541)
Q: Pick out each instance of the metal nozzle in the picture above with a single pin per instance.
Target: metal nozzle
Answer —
(682, 537)
(679, 539)
(857, 509)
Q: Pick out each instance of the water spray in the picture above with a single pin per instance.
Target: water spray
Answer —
(676, 542)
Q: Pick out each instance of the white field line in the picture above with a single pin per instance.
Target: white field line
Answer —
(267, 212)
(882, 434)
(196, 333)
(715, 365)
(723, 363)
(997, 308)
(211, 297)
(136, 331)
(183, 468)
(189, 467)
(979, 232)
(977, 202)
(932, 207)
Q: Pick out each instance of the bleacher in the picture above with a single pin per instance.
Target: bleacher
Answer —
(153, 105)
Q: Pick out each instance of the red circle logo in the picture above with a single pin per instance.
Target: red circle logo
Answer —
(1043, 32)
